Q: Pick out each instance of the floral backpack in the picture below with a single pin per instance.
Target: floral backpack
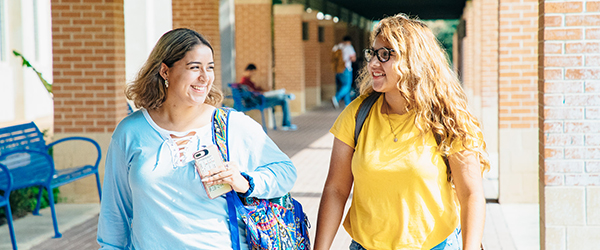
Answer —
(271, 224)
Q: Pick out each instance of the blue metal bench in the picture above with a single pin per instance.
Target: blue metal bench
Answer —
(23, 151)
(245, 100)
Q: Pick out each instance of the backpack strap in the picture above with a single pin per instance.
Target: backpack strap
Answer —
(438, 140)
(363, 112)
(220, 122)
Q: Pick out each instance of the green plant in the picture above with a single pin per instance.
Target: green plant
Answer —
(23, 201)
(26, 63)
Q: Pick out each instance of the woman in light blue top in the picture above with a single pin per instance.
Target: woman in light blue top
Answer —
(153, 196)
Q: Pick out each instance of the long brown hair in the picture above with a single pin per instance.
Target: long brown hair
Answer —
(429, 85)
(148, 90)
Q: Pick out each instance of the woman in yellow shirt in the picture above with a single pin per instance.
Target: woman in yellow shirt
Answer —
(404, 195)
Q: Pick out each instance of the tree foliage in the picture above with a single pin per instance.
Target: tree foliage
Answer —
(444, 30)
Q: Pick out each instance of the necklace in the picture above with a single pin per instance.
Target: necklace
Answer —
(387, 115)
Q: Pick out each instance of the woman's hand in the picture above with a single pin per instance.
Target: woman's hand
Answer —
(229, 173)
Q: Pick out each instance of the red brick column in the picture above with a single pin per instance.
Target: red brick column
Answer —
(312, 62)
(489, 81)
(327, 73)
(88, 46)
(203, 17)
(253, 40)
(518, 101)
(253, 44)
(479, 59)
(569, 126)
(468, 54)
(289, 53)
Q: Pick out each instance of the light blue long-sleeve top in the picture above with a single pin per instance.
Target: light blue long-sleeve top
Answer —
(150, 200)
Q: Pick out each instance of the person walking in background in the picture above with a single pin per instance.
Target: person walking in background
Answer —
(153, 197)
(405, 194)
(274, 97)
(343, 79)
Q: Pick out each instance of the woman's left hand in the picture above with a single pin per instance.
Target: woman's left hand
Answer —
(229, 173)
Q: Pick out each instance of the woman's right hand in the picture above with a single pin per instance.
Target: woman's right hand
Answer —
(230, 174)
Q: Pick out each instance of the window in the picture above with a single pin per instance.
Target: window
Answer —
(305, 31)
(321, 34)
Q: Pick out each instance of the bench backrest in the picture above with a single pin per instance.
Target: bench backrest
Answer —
(20, 137)
(243, 99)
(27, 165)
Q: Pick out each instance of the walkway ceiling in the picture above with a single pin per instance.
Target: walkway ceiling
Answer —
(424, 9)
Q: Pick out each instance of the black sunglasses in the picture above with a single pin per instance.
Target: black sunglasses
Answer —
(383, 54)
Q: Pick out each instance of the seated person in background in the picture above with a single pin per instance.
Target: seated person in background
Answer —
(274, 97)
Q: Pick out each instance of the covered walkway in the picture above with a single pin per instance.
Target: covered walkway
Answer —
(530, 69)
(508, 227)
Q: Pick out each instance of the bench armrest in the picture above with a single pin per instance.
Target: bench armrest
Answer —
(73, 138)
(44, 155)
(9, 181)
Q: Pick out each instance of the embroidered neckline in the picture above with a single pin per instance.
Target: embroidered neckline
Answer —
(179, 143)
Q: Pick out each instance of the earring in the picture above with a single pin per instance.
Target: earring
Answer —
(166, 83)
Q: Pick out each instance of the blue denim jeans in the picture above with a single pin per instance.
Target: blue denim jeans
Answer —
(343, 83)
(282, 100)
(453, 242)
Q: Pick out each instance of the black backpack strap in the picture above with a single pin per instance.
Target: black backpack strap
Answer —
(438, 140)
(363, 112)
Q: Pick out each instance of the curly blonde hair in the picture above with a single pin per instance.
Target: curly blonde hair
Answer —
(148, 90)
(430, 87)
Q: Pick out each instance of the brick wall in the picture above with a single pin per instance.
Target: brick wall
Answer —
(468, 54)
(489, 81)
(203, 17)
(480, 71)
(340, 30)
(570, 133)
(289, 52)
(518, 101)
(312, 54)
(518, 64)
(489, 55)
(253, 40)
(88, 46)
(477, 58)
(312, 62)
(327, 74)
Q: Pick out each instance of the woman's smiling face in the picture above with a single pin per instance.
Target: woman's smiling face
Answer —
(385, 75)
(191, 78)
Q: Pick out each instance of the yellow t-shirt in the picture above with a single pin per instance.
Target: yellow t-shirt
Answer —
(401, 196)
